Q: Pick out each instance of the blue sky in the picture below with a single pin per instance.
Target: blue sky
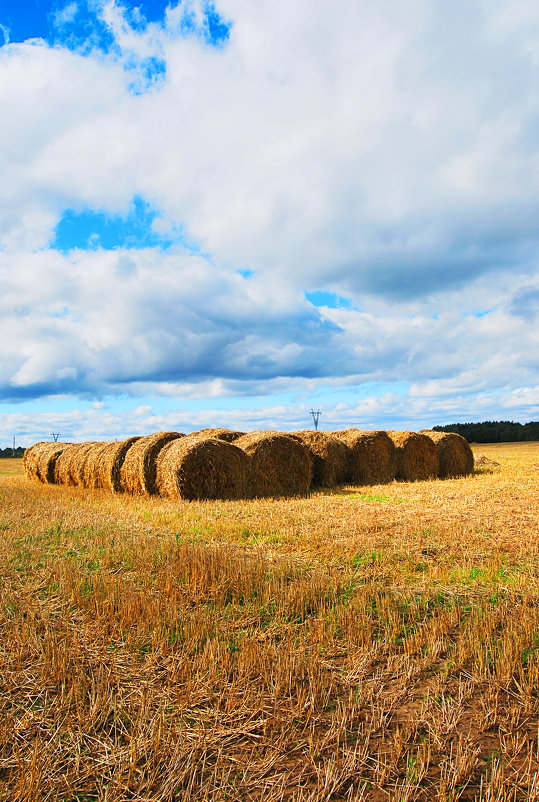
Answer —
(226, 213)
(72, 23)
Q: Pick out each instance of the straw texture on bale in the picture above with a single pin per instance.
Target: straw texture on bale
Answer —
(46, 463)
(330, 457)
(228, 435)
(104, 462)
(279, 464)
(372, 456)
(70, 465)
(197, 468)
(39, 460)
(90, 474)
(30, 459)
(455, 456)
(137, 473)
(346, 432)
(417, 456)
(112, 460)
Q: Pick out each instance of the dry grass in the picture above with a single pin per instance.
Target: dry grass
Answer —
(376, 643)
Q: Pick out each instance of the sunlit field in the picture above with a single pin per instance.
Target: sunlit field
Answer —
(376, 643)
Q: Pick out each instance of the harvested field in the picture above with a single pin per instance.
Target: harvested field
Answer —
(455, 457)
(279, 465)
(70, 464)
(138, 471)
(330, 457)
(417, 456)
(202, 468)
(374, 643)
(372, 458)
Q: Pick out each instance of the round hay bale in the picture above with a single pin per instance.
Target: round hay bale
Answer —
(61, 469)
(455, 456)
(346, 432)
(280, 465)
(104, 462)
(46, 463)
(372, 456)
(137, 473)
(31, 457)
(202, 468)
(228, 435)
(69, 468)
(330, 457)
(417, 456)
(109, 471)
(90, 474)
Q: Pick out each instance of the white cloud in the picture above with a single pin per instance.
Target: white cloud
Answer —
(65, 15)
(389, 411)
(387, 152)
(325, 143)
(177, 325)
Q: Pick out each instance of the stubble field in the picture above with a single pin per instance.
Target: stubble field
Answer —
(372, 643)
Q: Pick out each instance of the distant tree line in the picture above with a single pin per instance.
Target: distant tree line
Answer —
(493, 431)
(8, 452)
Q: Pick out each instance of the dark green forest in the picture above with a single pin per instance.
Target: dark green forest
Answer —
(493, 431)
(9, 452)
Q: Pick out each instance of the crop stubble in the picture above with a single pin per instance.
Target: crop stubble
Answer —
(376, 643)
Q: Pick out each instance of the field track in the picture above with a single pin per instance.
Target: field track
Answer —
(363, 643)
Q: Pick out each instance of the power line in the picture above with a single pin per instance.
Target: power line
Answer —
(315, 414)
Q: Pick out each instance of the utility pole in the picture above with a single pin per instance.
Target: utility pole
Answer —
(315, 414)
(13, 452)
(55, 436)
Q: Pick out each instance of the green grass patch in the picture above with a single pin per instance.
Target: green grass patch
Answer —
(372, 498)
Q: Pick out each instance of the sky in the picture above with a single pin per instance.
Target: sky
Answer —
(231, 213)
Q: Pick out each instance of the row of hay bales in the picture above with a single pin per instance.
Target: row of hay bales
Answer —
(220, 463)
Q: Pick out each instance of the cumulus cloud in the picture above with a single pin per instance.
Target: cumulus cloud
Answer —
(389, 410)
(138, 321)
(350, 146)
(383, 152)
(98, 322)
